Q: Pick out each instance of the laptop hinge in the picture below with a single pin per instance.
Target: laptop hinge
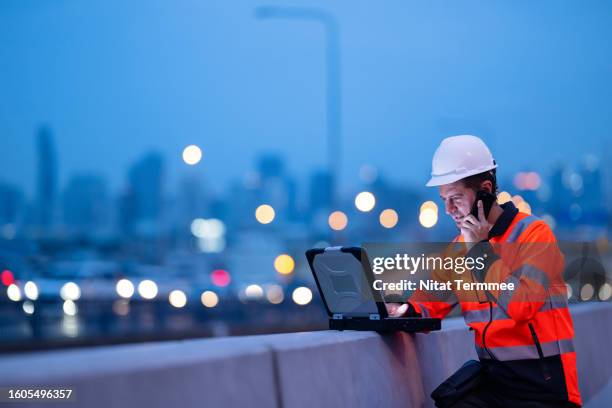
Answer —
(334, 248)
(337, 316)
(374, 316)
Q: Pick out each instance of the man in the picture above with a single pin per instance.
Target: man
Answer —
(523, 337)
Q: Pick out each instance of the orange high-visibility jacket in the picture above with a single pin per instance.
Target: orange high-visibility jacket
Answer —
(524, 336)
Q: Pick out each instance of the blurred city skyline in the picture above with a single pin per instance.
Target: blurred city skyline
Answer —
(214, 75)
(145, 207)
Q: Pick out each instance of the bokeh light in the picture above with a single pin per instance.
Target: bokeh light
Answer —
(302, 295)
(177, 298)
(30, 290)
(196, 226)
(503, 197)
(254, 292)
(337, 220)
(605, 291)
(70, 291)
(586, 292)
(124, 288)
(365, 201)
(275, 294)
(265, 214)
(527, 181)
(428, 217)
(147, 289)
(517, 199)
(209, 298)
(211, 228)
(429, 205)
(388, 218)
(69, 307)
(220, 277)
(7, 277)
(192, 154)
(13, 292)
(28, 307)
(284, 264)
(524, 207)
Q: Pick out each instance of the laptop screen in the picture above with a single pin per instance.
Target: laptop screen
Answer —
(343, 284)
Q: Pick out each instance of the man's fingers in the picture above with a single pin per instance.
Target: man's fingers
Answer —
(465, 224)
(402, 309)
(396, 310)
(391, 307)
(399, 311)
(470, 218)
(481, 214)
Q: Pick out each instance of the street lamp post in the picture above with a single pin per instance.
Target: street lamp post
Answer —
(332, 53)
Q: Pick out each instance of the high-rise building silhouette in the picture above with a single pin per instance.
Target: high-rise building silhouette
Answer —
(321, 191)
(561, 200)
(141, 202)
(46, 178)
(593, 196)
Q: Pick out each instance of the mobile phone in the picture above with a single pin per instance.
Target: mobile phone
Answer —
(487, 202)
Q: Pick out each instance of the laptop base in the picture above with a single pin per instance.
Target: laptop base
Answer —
(406, 324)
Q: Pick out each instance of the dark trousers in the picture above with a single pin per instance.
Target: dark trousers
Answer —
(487, 397)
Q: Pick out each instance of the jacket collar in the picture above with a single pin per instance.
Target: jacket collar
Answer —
(504, 220)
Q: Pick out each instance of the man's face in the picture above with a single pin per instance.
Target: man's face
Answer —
(458, 200)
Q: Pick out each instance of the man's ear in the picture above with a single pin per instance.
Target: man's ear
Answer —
(487, 186)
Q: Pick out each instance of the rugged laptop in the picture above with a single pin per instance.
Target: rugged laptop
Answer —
(344, 279)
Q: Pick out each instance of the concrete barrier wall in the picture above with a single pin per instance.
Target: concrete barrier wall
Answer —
(322, 369)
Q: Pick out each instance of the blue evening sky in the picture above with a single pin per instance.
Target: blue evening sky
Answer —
(116, 78)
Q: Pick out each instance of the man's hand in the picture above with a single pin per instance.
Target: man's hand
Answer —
(475, 230)
(396, 309)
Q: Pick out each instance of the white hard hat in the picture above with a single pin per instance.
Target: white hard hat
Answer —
(459, 157)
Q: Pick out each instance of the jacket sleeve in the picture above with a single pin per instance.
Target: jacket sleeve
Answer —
(428, 308)
(438, 303)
